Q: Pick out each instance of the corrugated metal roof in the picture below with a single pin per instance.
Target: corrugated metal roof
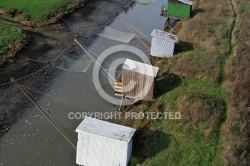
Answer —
(164, 35)
(186, 2)
(105, 129)
(140, 67)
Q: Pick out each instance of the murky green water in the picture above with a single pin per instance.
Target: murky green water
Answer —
(33, 140)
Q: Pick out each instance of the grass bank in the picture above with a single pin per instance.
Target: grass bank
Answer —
(237, 81)
(30, 13)
(192, 140)
(37, 13)
(12, 40)
(209, 85)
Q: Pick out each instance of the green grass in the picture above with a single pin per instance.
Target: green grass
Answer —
(9, 36)
(185, 150)
(206, 69)
(208, 33)
(195, 86)
(36, 10)
(200, 63)
(187, 143)
(237, 83)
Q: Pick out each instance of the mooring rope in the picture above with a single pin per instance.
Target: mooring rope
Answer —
(29, 75)
(45, 114)
(66, 101)
(122, 21)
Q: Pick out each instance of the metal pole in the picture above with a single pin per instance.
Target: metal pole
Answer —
(44, 113)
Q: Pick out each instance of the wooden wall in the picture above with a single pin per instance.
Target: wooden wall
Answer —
(144, 85)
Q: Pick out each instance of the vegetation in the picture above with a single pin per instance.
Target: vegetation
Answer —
(192, 140)
(11, 40)
(237, 81)
(38, 10)
(30, 13)
(208, 82)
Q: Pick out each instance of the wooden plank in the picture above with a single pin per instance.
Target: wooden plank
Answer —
(118, 83)
(118, 90)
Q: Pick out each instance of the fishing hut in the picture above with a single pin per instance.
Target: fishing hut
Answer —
(177, 9)
(103, 143)
(136, 80)
(162, 44)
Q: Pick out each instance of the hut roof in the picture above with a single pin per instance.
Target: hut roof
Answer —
(140, 67)
(105, 129)
(164, 35)
(187, 2)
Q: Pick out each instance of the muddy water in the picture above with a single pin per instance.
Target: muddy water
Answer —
(33, 140)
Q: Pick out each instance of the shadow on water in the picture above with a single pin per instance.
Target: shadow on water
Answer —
(143, 44)
(44, 48)
(127, 9)
(197, 11)
(147, 143)
(166, 83)
(170, 23)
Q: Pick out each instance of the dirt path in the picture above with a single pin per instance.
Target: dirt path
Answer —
(237, 83)
(232, 36)
(47, 43)
(231, 42)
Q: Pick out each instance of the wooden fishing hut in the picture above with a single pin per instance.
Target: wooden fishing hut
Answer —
(136, 80)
